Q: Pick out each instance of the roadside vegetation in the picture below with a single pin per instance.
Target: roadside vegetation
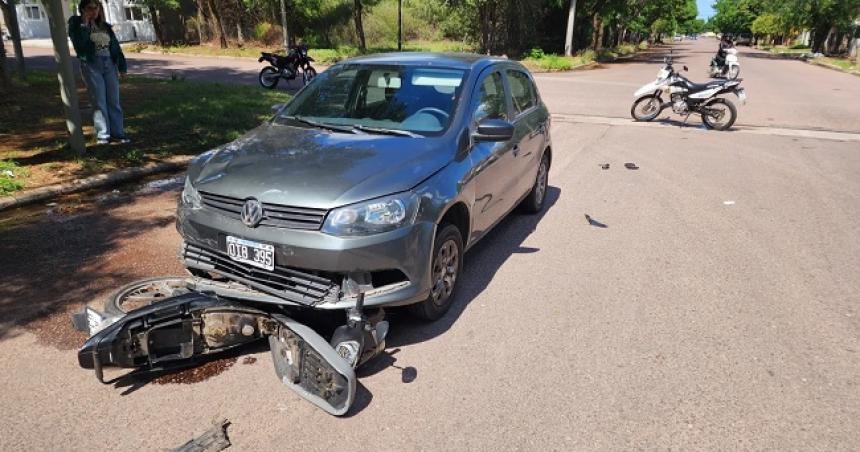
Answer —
(163, 117)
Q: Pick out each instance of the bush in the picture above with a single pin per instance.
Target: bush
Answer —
(267, 33)
(535, 53)
(799, 46)
(11, 177)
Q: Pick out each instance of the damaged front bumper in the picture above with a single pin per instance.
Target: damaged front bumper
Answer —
(192, 325)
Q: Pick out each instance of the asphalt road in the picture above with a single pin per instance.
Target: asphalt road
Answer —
(712, 303)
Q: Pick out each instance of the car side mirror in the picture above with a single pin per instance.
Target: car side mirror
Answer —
(494, 130)
(277, 107)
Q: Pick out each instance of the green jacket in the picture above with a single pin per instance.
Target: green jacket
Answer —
(86, 48)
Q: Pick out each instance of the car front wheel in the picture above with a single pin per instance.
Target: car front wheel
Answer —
(444, 274)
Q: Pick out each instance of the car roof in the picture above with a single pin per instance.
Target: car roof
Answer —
(450, 60)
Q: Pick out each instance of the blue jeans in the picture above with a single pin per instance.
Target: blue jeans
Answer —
(102, 79)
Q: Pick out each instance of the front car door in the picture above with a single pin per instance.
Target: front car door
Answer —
(492, 162)
(530, 118)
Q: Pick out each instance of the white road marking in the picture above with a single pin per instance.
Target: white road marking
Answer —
(756, 130)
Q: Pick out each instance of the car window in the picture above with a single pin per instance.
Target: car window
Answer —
(522, 91)
(491, 99)
(417, 99)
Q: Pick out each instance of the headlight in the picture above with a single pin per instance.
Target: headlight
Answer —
(373, 217)
(190, 195)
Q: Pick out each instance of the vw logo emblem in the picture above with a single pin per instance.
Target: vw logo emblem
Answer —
(252, 213)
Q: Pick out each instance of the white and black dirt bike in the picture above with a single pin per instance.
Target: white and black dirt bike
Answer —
(673, 90)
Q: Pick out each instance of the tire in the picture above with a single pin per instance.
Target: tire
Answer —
(447, 245)
(308, 75)
(269, 77)
(721, 124)
(649, 112)
(535, 199)
(149, 291)
(733, 73)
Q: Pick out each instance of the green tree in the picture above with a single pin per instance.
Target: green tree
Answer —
(768, 25)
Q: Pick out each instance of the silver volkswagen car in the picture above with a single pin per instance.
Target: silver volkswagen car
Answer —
(373, 181)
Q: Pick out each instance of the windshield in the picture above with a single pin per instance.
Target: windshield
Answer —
(413, 99)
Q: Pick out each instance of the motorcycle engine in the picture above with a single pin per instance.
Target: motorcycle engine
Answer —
(679, 105)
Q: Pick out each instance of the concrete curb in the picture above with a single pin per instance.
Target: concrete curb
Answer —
(101, 180)
(832, 67)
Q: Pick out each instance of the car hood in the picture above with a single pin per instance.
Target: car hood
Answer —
(308, 167)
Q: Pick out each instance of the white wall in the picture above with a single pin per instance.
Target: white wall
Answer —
(126, 30)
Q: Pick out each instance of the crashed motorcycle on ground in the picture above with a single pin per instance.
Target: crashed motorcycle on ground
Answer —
(685, 98)
(296, 63)
(163, 324)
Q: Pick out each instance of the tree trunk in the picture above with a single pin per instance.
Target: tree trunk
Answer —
(568, 37)
(239, 23)
(359, 27)
(219, 26)
(597, 34)
(10, 14)
(4, 74)
(156, 25)
(201, 18)
(65, 74)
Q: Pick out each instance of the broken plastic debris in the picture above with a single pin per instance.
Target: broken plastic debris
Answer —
(604, 166)
(8, 173)
(631, 166)
(728, 203)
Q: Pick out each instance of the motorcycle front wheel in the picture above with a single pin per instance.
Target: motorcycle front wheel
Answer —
(646, 108)
(269, 77)
(734, 71)
(719, 114)
(308, 74)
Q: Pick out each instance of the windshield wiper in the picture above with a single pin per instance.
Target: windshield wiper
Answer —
(320, 125)
(384, 131)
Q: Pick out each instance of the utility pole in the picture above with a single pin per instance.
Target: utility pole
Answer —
(568, 39)
(399, 25)
(284, 25)
(65, 74)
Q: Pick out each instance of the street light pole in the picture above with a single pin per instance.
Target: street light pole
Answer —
(284, 25)
(399, 25)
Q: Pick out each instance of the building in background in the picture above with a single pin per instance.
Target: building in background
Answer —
(130, 20)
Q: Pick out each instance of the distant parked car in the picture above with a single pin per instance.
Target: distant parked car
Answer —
(743, 39)
(678, 37)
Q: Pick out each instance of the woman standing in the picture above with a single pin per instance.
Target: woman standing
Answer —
(102, 64)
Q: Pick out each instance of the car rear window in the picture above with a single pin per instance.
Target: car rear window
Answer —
(522, 91)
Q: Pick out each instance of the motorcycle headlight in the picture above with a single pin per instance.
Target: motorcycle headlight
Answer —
(190, 196)
(373, 217)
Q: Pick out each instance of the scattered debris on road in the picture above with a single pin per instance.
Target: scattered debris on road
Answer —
(604, 166)
(213, 440)
(631, 166)
(594, 222)
(728, 203)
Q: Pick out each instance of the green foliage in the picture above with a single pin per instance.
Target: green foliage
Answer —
(535, 53)
(12, 177)
(767, 24)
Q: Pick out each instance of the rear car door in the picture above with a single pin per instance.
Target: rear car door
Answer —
(530, 126)
(492, 162)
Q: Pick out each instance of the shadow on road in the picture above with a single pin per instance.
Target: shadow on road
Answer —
(162, 68)
(61, 261)
(481, 264)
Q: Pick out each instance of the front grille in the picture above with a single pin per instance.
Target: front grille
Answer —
(274, 215)
(284, 282)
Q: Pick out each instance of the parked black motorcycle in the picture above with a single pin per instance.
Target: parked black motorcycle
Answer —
(296, 62)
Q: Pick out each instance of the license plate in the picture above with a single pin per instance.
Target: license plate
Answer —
(252, 253)
(742, 95)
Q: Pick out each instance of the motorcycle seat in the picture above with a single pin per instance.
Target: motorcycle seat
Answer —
(696, 87)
